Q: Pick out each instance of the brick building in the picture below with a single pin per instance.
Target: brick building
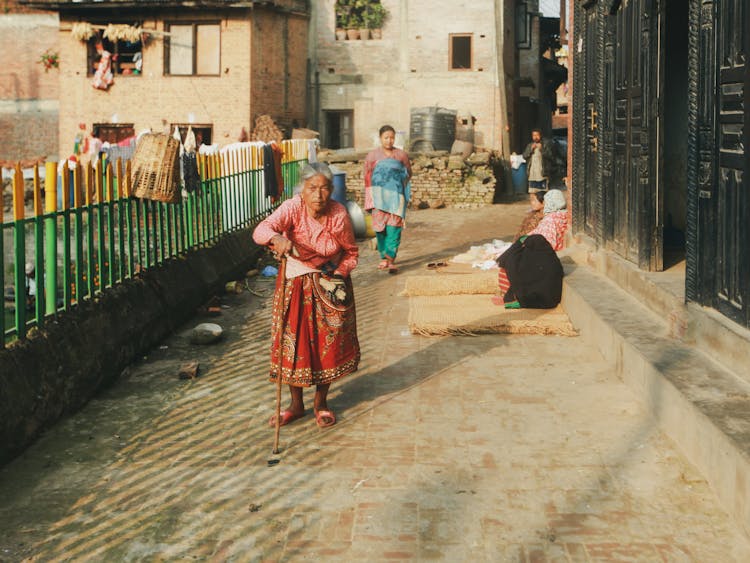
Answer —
(478, 57)
(28, 94)
(216, 65)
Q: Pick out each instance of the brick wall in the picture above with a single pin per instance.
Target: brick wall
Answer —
(436, 180)
(30, 133)
(381, 80)
(253, 74)
(23, 39)
(279, 71)
(28, 94)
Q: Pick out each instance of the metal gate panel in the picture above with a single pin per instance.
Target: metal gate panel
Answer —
(731, 274)
(718, 265)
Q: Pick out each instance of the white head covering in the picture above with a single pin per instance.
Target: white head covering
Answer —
(554, 200)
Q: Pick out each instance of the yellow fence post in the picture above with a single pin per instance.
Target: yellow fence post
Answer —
(50, 238)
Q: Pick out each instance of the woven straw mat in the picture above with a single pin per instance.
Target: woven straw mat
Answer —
(442, 315)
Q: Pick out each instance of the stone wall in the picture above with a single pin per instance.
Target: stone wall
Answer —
(381, 80)
(57, 370)
(437, 180)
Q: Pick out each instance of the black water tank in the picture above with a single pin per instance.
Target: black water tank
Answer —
(433, 125)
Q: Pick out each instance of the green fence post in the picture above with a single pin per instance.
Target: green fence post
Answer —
(50, 239)
(100, 239)
(19, 250)
(38, 249)
(146, 226)
(90, 189)
(160, 224)
(120, 198)
(110, 207)
(169, 208)
(67, 278)
(128, 192)
(189, 216)
(139, 221)
(78, 203)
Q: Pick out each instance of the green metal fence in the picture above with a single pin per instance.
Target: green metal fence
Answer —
(88, 233)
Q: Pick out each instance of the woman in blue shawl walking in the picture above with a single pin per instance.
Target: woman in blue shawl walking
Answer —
(387, 194)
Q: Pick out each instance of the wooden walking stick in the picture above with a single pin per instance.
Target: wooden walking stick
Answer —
(279, 367)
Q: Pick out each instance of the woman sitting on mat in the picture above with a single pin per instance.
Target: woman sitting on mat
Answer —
(316, 311)
(530, 274)
(387, 193)
(533, 217)
(554, 224)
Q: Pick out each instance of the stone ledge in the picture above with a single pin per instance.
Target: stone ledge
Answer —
(698, 403)
(726, 342)
(57, 370)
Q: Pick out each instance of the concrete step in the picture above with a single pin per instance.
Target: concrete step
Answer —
(700, 404)
(726, 342)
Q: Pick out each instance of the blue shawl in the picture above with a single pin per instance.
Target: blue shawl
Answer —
(391, 189)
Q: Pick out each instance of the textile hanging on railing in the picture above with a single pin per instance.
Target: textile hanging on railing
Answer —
(272, 177)
(312, 150)
(190, 175)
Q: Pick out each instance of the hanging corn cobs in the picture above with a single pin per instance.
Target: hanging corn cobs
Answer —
(82, 31)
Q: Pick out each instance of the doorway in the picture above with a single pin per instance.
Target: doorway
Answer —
(674, 130)
(339, 129)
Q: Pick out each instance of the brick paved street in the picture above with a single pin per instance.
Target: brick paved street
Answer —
(492, 448)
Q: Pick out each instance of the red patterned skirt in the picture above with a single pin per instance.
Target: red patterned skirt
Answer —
(320, 342)
(503, 281)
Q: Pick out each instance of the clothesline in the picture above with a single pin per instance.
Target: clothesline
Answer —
(143, 30)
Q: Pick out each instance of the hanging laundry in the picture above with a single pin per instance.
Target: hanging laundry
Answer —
(191, 176)
(312, 150)
(272, 177)
(103, 77)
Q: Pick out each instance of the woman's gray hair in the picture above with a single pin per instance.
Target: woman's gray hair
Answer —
(312, 169)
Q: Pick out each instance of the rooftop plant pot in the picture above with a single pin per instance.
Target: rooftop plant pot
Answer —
(352, 34)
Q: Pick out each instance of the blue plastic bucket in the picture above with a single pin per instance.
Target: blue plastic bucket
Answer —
(518, 175)
(339, 187)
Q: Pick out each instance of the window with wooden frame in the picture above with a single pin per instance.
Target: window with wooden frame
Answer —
(523, 26)
(113, 133)
(127, 56)
(203, 132)
(193, 49)
(461, 51)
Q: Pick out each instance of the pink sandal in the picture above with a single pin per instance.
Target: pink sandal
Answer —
(287, 416)
(320, 417)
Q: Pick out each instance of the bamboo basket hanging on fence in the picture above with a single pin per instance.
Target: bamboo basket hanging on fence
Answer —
(156, 168)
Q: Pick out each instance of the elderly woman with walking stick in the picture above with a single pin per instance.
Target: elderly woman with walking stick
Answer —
(314, 326)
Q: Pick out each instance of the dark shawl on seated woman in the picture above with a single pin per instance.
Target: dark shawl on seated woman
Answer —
(535, 273)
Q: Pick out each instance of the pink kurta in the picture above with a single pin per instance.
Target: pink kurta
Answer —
(314, 339)
(316, 243)
(552, 227)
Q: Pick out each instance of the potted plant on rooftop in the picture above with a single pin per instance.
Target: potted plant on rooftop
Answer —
(374, 18)
(364, 31)
(353, 23)
(342, 10)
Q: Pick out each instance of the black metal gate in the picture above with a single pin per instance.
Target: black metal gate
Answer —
(618, 51)
(719, 198)
(591, 148)
(635, 233)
